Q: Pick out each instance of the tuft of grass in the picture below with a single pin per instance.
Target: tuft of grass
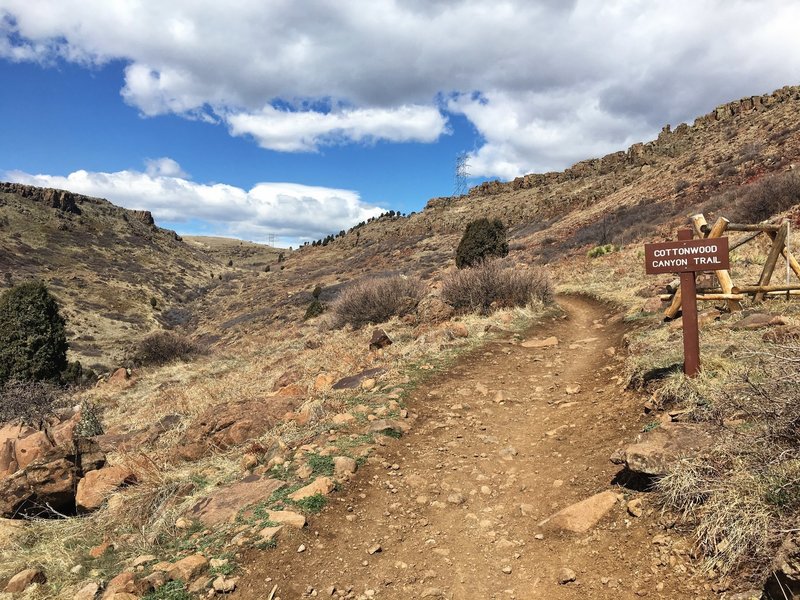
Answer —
(320, 465)
(172, 590)
(312, 504)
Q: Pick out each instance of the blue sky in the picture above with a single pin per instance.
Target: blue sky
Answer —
(300, 119)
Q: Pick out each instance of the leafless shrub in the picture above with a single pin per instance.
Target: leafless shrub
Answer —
(376, 300)
(771, 195)
(495, 284)
(30, 401)
(162, 347)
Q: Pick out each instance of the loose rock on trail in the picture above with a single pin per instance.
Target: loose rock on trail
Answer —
(503, 489)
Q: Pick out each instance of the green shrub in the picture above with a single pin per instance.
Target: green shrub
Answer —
(315, 309)
(601, 250)
(33, 342)
(376, 300)
(495, 284)
(482, 239)
(153, 301)
(162, 347)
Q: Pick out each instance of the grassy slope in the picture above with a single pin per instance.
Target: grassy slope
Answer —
(253, 320)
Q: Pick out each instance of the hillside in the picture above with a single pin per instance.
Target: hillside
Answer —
(105, 264)
(434, 453)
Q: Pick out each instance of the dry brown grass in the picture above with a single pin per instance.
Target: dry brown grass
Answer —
(376, 300)
(495, 284)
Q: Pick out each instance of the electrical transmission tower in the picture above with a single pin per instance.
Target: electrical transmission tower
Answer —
(271, 239)
(462, 174)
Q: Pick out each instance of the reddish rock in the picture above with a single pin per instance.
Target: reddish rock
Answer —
(119, 378)
(231, 425)
(23, 580)
(287, 517)
(286, 378)
(354, 381)
(321, 485)
(379, 340)
(40, 484)
(32, 447)
(296, 390)
(660, 448)
(100, 549)
(458, 330)
(97, 485)
(187, 568)
(225, 503)
(87, 592)
(758, 321)
(433, 310)
(323, 382)
(582, 516)
(540, 343)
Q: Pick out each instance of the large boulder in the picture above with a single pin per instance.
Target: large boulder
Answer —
(97, 485)
(225, 503)
(40, 469)
(658, 450)
(222, 427)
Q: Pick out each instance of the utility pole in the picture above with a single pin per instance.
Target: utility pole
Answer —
(461, 174)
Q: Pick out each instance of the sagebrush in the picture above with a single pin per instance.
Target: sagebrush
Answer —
(372, 301)
(495, 284)
(162, 347)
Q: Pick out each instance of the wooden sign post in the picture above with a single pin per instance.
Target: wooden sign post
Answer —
(686, 257)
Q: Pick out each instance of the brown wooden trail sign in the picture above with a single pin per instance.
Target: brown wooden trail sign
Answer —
(687, 256)
(733, 295)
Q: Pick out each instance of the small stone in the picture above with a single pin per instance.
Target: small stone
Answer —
(635, 507)
(182, 523)
(456, 499)
(23, 580)
(87, 592)
(301, 548)
(374, 549)
(566, 576)
(77, 569)
(507, 570)
(224, 586)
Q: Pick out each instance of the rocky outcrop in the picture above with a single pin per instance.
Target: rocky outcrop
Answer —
(60, 199)
(144, 216)
(40, 469)
(659, 449)
(223, 427)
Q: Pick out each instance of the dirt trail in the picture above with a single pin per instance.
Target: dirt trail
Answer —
(454, 505)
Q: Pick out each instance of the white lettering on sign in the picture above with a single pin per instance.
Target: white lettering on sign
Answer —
(706, 260)
(672, 262)
(683, 251)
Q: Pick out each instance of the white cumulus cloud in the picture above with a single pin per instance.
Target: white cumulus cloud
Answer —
(293, 212)
(290, 131)
(558, 80)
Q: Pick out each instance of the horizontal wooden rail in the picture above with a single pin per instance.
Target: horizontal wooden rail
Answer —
(665, 297)
(753, 227)
(762, 289)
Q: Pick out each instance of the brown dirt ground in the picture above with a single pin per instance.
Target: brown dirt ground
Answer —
(431, 547)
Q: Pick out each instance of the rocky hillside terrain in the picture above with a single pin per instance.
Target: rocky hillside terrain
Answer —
(543, 449)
